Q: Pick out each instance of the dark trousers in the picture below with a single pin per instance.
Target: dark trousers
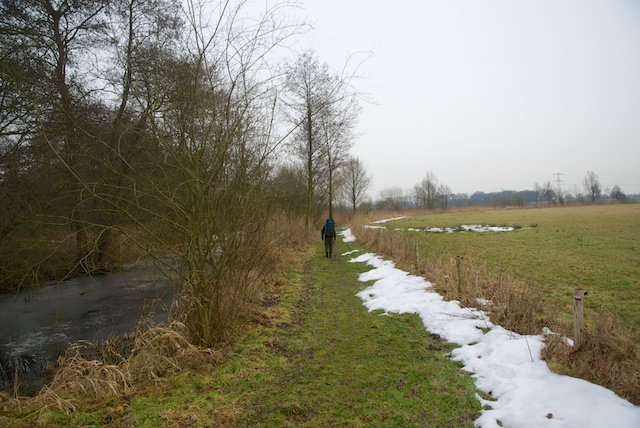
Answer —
(328, 244)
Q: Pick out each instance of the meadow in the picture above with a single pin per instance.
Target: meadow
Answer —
(551, 250)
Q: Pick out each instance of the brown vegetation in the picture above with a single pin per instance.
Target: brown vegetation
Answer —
(610, 356)
(84, 377)
(89, 373)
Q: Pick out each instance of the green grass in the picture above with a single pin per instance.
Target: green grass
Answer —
(316, 359)
(553, 250)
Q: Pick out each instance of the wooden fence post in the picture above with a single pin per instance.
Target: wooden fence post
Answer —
(579, 337)
(417, 257)
(458, 262)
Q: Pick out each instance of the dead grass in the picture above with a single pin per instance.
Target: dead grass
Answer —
(159, 351)
(610, 358)
(82, 378)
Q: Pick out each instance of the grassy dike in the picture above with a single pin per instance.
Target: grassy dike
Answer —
(314, 357)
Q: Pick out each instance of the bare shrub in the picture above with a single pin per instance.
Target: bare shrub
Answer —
(216, 288)
(517, 309)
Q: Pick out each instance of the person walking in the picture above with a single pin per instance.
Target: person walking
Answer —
(329, 236)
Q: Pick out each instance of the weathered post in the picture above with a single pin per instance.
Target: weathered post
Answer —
(417, 257)
(458, 262)
(578, 319)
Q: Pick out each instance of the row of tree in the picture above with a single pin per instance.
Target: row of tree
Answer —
(592, 187)
(170, 125)
(430, 194)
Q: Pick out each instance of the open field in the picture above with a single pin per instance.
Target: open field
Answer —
(525, 277)
(553, 251)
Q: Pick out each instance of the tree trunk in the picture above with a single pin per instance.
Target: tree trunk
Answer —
(310, 181)
(71, 143)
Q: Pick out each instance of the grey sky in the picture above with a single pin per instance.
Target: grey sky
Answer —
(491, 95)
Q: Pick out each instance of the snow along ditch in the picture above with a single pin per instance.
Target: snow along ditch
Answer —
(507, 365)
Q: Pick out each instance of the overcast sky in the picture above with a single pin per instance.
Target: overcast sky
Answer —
(491, 95)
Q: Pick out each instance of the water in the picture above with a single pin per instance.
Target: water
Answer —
(37, 325)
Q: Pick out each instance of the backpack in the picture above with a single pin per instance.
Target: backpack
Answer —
(329, 228)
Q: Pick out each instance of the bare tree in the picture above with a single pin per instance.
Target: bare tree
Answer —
(357, 181)
(337, 122)
(172, 147)
(591, 184)
(537, 189)
(393, 198)
(139, 33)
(444, 192)
(309, 87)
(561, 196)
(618, 194)
(212, 124)
(50, 41)
(323, 110)
(548, 193)
(426, 191)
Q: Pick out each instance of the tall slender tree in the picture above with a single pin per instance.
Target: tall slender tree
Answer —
(592, 186)
(356, 181)
(323, 109)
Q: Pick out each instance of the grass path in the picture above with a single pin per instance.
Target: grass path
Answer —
(347, 367)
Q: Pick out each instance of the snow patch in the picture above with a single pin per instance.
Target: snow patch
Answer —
(347, 236)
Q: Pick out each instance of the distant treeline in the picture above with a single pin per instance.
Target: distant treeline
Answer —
(401, 200)
(431, 194)
(519, 198)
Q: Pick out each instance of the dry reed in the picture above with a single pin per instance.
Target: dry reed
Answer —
(161, 350)
(610, 356)
(81, 377)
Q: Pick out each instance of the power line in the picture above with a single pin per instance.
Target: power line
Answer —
(559, 181)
